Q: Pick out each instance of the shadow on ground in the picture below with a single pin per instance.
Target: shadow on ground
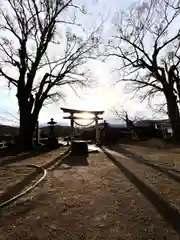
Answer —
(158, 143)
(10, 156)
(138, 158)
(27, 181)
(72, 161)
(19, 187)
(169, 213)
(22, 208)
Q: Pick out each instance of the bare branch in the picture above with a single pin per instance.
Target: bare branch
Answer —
(45, 56)
(10, 79)
(147, 50)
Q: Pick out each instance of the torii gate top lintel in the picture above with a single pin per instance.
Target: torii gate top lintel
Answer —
(67, 110)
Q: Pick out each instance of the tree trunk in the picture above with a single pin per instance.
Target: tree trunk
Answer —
(131, 127)
(27, 125)
(25, 138)
(174, 116)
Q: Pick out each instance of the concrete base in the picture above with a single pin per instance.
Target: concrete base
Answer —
(52, 143)
(79, 148)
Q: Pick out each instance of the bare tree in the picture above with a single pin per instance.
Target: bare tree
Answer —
(122, 114)
(130, 121)
(37, 58)
(147, 43)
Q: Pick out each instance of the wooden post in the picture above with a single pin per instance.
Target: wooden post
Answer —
(97, 129)
(72, 125)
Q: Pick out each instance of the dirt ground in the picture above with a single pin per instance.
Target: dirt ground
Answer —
(16, 176)
(10, 176)
(16, 171)
(37, 157)
(101, 196)
(155, 150)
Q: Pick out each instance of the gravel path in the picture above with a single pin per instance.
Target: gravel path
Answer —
(98, 201)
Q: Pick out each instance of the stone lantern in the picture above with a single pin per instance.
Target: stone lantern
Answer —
(51, 124)
(52, 140)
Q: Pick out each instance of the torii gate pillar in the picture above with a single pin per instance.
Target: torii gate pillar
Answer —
(97, 129)
(72, 125)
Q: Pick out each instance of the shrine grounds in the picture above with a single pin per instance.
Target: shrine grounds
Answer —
(120, 192)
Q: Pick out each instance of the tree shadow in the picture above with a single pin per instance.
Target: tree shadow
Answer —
(138, 158)
(13, 156)
(169, 213)
(20, 186)
(56, 161)
(22, 208)
(157, 143)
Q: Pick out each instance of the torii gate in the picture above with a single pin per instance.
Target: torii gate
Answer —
(72, 118)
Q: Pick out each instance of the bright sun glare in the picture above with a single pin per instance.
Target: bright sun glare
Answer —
(85, 115)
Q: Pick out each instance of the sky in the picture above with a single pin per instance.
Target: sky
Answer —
(104, 96)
